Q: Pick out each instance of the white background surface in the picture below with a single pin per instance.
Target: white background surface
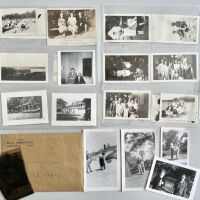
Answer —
(189, 7)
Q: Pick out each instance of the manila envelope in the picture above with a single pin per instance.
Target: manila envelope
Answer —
(53, 161)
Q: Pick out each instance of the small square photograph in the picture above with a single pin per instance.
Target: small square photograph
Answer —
(155, 107)
(172, 179)
(73, 109)
(19, 21)
(71, 26)
(175, 67)
(76, 68)
(24, 67)
(102, 160)
(20, 108)
(175, 144)
(182, 108)
(138, 151)
(180, 29)
(126, 28)
(126, 104)
(123, 68)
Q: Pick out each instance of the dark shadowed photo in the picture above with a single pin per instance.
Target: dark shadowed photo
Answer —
(19, 21)
(102, 160)
(175, 67)
(76, 68)
(171, 179)
(14, 183)
(123, 68)
(126, 28)
(74, 25)
(20, 108)
(175, 144)
(180, 107)
(126, 105)
(138, 147)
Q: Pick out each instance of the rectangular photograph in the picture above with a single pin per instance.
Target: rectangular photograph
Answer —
(125, 68)
(76, 68)
(126, 104)
(175, 67)
(172, 179)
(71, 26)
(175, 144)
(19, 21)
(182, 108)
(126, 28)
(182, 29)
(138, 151)
(20, 108)
(23, 67)
(73, 109)
(102, 160)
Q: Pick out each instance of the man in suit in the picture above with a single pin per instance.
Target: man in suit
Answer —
(79, 79)
(180, 188)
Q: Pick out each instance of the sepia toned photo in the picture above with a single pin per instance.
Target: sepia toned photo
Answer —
(175, 144)
(172, 179)
(73, 109)
(138, 151)
(126, 28)
(175, 67)
(76, 68)
(102, 160)
(122, 104)
(23, 67)
(180, 29)
(71, 26)
(123, 68)
(20, 108)
(180, 108)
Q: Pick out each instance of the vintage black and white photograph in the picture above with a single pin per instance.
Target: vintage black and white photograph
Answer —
(138, 151)
(19, 21)
(155, 107)
(71, 26)
(20, 108)
(126, 104)
(172, 179)
(24, 67)
(102, 160)
(126, 28)
(175, 67)
(175, 144)
(76, 68)
(181, 29)
(182, 108)
(123, 68)
(73, 109)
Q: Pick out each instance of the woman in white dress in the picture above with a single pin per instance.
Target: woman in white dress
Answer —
(62, 25)
(72, 27)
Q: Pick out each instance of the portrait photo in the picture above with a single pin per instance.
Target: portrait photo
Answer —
(71, 26)
(102, 160)
(126, 28)
(121, 68)
(175, 144)
(138, 151)
(172, 179)
(122, 104)
(76, 68)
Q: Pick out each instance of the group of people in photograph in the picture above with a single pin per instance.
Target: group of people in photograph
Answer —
(74, 22)
(179, 187)
(122, 107)
(175, 150)
(174, 68)
(174, 109)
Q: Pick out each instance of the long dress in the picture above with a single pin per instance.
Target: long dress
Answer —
(61, 25)
(72, 24)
